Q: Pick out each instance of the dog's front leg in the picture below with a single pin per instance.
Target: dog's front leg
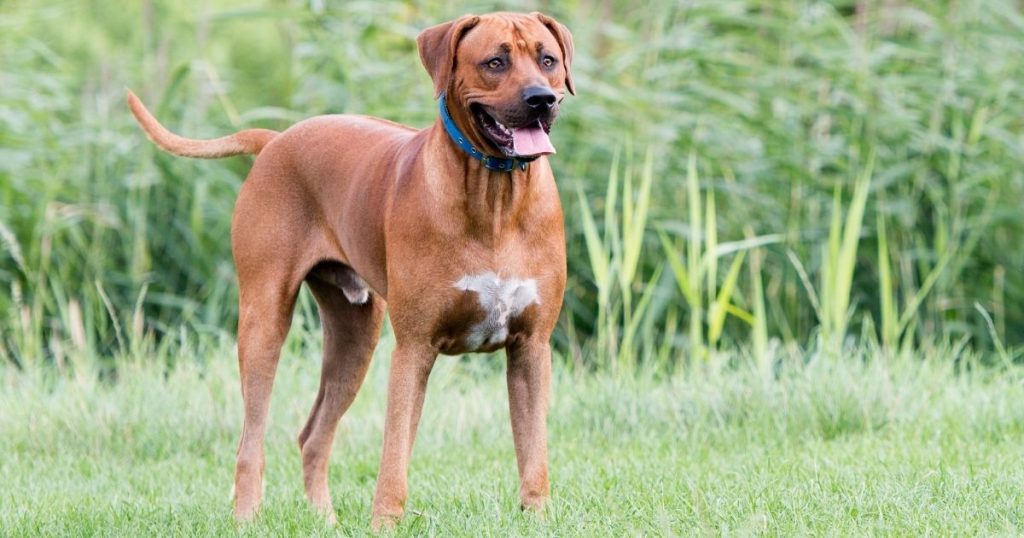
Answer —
(529, 382)
(410, 368)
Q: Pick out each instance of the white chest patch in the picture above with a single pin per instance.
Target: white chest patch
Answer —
(500, 299)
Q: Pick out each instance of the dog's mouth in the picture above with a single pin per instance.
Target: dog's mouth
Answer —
(527, 140)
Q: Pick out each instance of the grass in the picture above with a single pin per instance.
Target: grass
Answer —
(863, 445)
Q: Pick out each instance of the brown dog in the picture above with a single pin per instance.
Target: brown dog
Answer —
(465, 245)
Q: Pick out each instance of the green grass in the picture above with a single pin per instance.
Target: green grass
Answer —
(864, 445)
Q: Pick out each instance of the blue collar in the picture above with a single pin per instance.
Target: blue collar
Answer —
(489, 162)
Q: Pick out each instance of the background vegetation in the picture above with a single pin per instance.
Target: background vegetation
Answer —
(857, 164)
(796, 296)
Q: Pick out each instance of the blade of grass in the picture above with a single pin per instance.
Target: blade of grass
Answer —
(716, 316)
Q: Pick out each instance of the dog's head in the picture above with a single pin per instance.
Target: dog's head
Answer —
(503, 75)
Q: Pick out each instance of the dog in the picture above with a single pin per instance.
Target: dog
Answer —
(456, 228)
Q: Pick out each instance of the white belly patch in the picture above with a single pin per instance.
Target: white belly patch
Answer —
(500, 299)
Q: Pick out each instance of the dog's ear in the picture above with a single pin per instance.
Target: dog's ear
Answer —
(437, 46)
(564, 38)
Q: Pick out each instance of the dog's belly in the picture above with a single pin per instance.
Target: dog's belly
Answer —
(488, 313)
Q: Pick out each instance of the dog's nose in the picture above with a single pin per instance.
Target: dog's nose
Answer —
(539, 97)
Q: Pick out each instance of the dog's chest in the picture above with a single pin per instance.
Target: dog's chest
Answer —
(501, 300)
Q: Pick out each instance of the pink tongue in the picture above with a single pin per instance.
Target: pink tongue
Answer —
(531, 141)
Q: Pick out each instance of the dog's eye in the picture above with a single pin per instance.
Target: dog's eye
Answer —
(495, 63)
(548, 61)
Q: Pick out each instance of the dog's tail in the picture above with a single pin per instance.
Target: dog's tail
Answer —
(249, 141)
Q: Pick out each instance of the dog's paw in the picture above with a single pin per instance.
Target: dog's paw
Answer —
(245, 515)
(384, 523)
(533, 504)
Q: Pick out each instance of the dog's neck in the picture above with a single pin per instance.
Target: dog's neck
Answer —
(470, 140)
(491, 200)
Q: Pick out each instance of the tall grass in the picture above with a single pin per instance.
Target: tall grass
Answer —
(737, 175)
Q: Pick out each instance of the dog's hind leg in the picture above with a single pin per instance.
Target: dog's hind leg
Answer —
(265, 314)
(351, 327)
(270, 246)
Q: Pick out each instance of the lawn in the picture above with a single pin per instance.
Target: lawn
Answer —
(861, 445)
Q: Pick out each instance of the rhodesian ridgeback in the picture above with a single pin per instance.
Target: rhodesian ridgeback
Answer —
(457, 228)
